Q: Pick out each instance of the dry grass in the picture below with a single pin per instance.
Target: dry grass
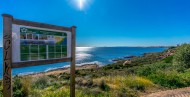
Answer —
(115, 82)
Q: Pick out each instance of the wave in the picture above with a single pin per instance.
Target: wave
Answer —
(66, 66)
(26, 73)
(93, 62)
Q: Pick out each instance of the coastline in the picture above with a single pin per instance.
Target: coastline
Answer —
(62, 70)
(89, 55)
(58, 71)
(67, 69)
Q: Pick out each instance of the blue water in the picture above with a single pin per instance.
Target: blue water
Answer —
(85, 55)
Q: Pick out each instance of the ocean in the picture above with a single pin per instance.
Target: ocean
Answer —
(87, 55)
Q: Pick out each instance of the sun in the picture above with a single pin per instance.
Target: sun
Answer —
(81, 5)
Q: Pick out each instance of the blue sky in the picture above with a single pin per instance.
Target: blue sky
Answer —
(110, 22)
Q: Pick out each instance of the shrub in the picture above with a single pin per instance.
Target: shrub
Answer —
(147, 70)
(89, 83)
(26, 84)
(64, 76)
(84, 82)
(90, 92)
(138, 83)
(64, 92)
(96, 91)
(55, 85)
(52, 76)
(148, 58)
(1, 83)
(82, 92)
(169, 79)
(35, 93)
(186, 77)
(1, 91)
(104, 86)
(19, 93)
(18, 89)
(180, 69)
(41, 82)
(168, 59)
(134, 83)
(126, 92)
(182, 56)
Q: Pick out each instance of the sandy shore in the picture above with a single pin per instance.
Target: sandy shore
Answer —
(64, 70)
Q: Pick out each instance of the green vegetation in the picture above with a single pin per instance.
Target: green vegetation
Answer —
(20, 87)
(1, 89)
(151, 72)
(169, 59)
(182, 56)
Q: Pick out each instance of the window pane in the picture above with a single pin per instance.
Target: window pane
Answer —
(64, 54)
(51, 49)
(24, 57)
(42, 48)
(64, 49)
(34, 49)
(42, 56)
(24, 48)
(34, 56)
(58, 55)
(51, 55)
(58, 49)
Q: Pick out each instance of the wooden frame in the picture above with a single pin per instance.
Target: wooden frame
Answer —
(40, 62)
(8, 20)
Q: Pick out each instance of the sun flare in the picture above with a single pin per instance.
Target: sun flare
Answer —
(81, 4)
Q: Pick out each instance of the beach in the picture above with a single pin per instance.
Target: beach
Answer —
(63, 70)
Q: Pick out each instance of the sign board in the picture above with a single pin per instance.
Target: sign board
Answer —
(33, 44)
(27, 43)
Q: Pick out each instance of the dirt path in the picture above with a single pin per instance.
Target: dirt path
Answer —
(184, 92)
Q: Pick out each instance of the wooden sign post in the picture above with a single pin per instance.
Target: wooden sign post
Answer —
(7, 55)
(72, 69)
(27, 43)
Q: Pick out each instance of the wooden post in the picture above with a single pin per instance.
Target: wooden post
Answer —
(72, 68)
(7, 55)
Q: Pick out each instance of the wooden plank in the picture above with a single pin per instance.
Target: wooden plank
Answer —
(41, 25)
(72, 69)
(7, 55)
(39, 62)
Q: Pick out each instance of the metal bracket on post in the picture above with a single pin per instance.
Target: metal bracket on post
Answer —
(7, 55)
